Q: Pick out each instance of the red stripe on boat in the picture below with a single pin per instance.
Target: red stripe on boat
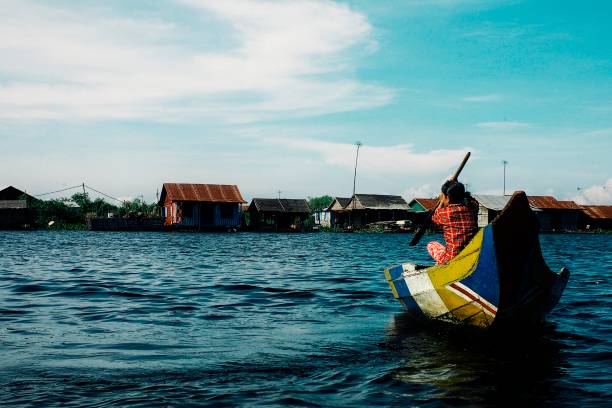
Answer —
(469, 294)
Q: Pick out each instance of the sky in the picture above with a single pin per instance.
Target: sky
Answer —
(273, 95)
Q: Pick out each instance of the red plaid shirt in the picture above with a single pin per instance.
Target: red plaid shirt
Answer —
(459, 226)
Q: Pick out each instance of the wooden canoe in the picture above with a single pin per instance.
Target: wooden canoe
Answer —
(499, 278)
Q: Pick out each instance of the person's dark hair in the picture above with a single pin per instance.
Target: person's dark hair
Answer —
(454, 190)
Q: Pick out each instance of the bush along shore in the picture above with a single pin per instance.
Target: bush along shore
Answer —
(72, 213)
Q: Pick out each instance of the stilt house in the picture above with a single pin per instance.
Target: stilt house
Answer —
(553, 215)
(365, 209)
(278, 214)
(556, 215)
(338, 214)
(200, 206)
(596, 217)
(419, 208)
(15, 211)
(422, 204)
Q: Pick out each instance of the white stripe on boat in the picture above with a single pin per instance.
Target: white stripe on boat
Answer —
(425, 295)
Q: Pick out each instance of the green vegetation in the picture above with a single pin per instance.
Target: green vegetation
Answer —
(318, 203)
(72, 213)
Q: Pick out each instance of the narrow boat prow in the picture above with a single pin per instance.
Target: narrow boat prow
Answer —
(499, 278)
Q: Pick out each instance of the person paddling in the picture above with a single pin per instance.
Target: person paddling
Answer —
(457, 220)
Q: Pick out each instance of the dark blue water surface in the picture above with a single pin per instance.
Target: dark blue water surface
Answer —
(158, 319)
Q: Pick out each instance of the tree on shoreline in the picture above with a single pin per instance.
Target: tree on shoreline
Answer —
(318, 203)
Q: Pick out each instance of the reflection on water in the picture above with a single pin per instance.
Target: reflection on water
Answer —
(152, 319)
(475, 367)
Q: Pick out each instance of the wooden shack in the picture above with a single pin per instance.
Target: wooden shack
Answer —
(278, 214)
(489, 206)
(553, 215)
(596, 217)
(338, 214)
(15, 209)
(365, 209)
(422, 204)
(200, 206)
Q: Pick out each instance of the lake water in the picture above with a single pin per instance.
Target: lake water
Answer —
(158, 319)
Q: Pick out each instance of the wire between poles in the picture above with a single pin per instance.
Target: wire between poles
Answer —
(58, 191)
(104, 194)
(79, 186)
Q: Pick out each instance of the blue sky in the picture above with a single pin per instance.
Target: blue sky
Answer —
(272, 95)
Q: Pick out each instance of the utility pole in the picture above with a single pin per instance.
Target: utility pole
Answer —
(358, 144)
(505, 163)
(352, 213)
(84, 188)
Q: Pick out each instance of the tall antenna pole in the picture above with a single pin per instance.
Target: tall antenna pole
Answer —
(504, 162)
(358, 144)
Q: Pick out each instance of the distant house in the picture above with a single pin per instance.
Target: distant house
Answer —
(365, 209)
(554, 215)
(11, 193)
(15, 211)
(278, 214)
(489, 206)
(419, 208)
(322, 217)
(335, 214)
(596, 217)
(422, 204)
(200, 206)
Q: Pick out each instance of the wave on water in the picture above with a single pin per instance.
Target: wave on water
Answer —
(152, 319)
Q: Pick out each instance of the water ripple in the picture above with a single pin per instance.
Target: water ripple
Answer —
(153, 319)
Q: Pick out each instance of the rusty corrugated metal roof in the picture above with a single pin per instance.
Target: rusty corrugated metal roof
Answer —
(569, 205)
(428, 203)
(551, 203)
(602, 212)
(215, 193)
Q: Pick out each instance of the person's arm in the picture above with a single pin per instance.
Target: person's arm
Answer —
(436, 218)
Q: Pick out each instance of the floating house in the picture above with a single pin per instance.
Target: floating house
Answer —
(335, 215)
(15, 211)
(489, 206)
(553, 215)
(365, 209)
(278, 214)
(596, 217)
(422, 204)
(419, 208)
(200, 206)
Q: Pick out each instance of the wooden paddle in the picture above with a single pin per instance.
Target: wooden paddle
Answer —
(421, 231)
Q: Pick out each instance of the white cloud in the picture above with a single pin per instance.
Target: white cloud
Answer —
(600, 132)
(378, 160)
(424, 191)
(285, 58)
(482, 98)
(504, 125)
(596, 194)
